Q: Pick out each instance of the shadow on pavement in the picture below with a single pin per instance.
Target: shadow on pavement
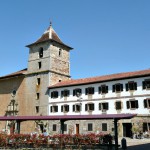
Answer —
(139, 147)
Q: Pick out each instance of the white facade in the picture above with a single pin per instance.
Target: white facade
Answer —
(127, 95)
(111, 98)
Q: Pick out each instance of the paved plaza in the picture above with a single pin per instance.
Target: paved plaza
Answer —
(137, 144)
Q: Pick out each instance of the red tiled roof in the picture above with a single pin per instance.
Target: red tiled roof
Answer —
(69, 117)
(101, 78)
(49, 34)
(46, 36)
(18, 73)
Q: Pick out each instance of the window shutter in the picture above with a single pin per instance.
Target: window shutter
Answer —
(135, 86)
(62, 108)
(106, 89)
(118, 105)
(85, 107)
(80, 91)
(136, 104)
(52, 94)
(57, 94)
(121, 105)
(128, 105)
(100, 106)
(62, 93)
(68, 92)
(114, 88)
(56, 108)
(92, 106)
(86, 91)
(99, 90)
(121, 86)
(145, 103)
(67, 107)
(79, 108)
(73, 107)
(127, 87)
(92, 90)
(74, 92)
(106, 106)
(144, 84)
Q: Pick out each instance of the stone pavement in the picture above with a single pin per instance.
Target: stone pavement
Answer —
(136, 144)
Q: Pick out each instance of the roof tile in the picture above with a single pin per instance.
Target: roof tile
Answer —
(18, 73)
(101, 78)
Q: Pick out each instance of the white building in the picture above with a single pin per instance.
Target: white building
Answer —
(111, 94)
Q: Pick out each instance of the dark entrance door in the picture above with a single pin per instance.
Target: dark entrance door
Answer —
(77, 128)
(127, 130)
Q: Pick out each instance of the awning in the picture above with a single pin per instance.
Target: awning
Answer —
(69, 117)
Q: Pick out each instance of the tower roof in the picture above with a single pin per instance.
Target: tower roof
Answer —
(51, 35)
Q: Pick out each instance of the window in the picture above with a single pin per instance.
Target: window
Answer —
(89, 107)
(117, 87)
(130, 86)
(53, 109)
(65, 93)
(60, 53)
(54, 127)
(37, 109)
(65, 127)
(76, 107)
(14, 93)
(103, 106)
(118, 105)
(132, 104)
(104, 126)
(103, 89)
(77, 92)
(90, 127)
(41, 52)
(38, 81)
(37, 95)
(146, 126)
(146, 103)
(54, 94)
(146, 84)
(40, 64)
(89, 90)
(65, 108)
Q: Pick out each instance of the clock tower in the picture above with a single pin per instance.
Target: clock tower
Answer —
(48, 64)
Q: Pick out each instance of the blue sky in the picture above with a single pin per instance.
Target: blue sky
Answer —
(108, 36)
